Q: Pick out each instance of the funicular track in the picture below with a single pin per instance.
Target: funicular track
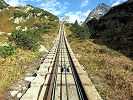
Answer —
(60, 76)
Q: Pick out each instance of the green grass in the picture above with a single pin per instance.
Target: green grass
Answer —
(7, 50)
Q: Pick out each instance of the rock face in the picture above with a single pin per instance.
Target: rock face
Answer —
(115, 29)
(19, 20)
(42, 49)
(27, 8)
(98, 12)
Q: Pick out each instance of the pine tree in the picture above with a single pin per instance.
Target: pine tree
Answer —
(75, 29)
(80, 31)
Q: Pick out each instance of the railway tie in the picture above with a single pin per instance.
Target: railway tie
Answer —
(64, 79)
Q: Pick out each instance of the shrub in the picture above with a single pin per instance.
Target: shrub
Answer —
(42, 26)
(20, 14)
(36, 10)
(67, 24)
(53, 24)
(103, 50)
(26, 40)
(41, 30)
(6, 50)
(38, 25)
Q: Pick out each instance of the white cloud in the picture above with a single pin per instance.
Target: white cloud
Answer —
(13, 2)
(19, 2)
(87, 12)
(54, 6)
(55, 12)
(80, 16)
(84, 3)
(117, 2)
(30, 0)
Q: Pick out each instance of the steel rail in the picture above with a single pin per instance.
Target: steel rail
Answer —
(51, 89)
(81, 92)
(51, 82)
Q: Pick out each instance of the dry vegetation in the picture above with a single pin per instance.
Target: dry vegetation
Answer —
(14, 66)
(7, 25)
(110, 71)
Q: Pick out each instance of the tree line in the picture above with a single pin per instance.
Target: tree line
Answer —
(80, 31)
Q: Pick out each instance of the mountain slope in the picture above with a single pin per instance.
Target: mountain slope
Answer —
(98, 12)
(3, 4)
(115, 29)
(26, 19)
(109, 70)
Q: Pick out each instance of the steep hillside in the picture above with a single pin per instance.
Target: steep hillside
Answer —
(98, 12)
(3, 4)
(115, 29)
(19, 27)
(109, 70)
(25, 18)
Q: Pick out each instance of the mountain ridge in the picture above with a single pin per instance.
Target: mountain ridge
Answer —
(115, 28)
(98, 12)
(26, 33)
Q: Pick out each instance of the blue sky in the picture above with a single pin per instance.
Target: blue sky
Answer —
(74, 9)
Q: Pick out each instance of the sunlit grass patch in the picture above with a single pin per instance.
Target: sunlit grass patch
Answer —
(12, 67)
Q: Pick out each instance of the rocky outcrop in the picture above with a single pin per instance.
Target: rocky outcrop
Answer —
(98, 12)
(42, 49)
(115, 29)
(3, 33)
(20, 20)
(27, 8)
